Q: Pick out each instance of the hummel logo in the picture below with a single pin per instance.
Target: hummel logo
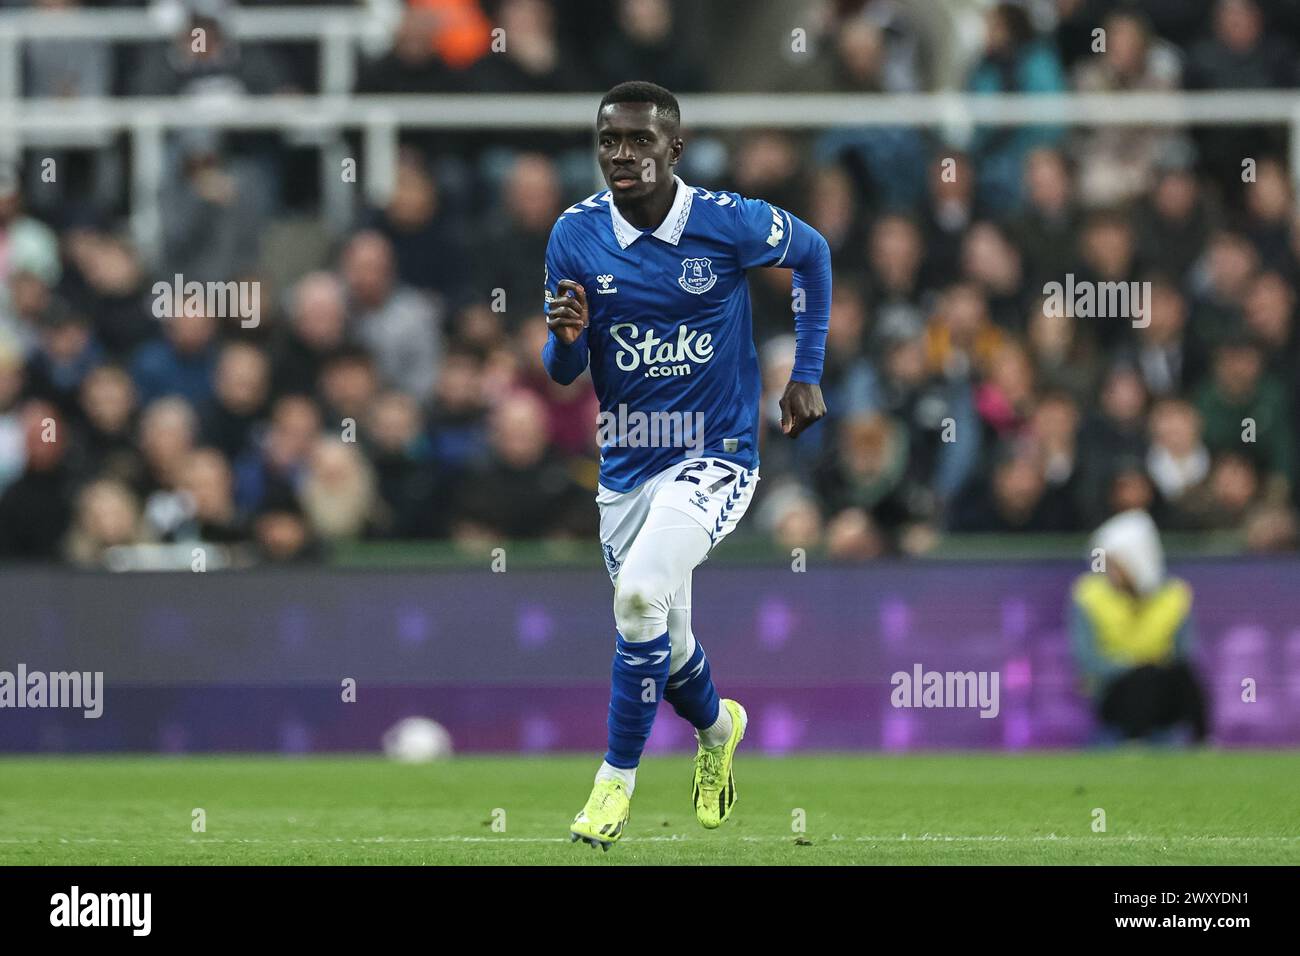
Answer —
(636, 660)
(689, 677)
(778, 230)
(604, 281)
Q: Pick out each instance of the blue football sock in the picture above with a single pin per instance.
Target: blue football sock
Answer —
(632, 705)
(690, 690)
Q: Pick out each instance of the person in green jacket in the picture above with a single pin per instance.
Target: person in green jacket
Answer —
(1245, 410)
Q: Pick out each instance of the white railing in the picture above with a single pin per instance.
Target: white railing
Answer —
(321, 119)
(337, 31)
(340, 33)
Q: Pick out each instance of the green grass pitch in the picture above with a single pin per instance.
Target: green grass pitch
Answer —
(1160, 807)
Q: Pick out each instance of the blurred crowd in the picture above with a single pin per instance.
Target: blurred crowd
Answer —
(392, 387)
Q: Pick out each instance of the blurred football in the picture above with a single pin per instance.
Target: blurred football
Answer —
(417, 740)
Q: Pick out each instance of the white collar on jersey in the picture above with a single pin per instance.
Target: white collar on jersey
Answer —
(670, 230)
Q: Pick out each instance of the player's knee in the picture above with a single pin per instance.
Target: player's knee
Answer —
(640, 609)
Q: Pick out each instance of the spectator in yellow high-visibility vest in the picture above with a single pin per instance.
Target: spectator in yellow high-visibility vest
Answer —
(1131, 628)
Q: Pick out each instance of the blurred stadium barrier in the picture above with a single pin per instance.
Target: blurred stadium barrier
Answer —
(254, 661)
(341, 33)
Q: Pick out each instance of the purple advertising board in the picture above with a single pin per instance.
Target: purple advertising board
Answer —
(518, 661)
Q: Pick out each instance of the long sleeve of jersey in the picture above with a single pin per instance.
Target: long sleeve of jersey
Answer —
(771, 237)
(810, 258)
(564, 363)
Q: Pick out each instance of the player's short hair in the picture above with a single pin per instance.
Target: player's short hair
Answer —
(641, 91)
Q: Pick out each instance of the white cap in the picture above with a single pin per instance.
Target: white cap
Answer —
(1132, 540)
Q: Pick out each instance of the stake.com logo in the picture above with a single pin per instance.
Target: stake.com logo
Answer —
(663, 358)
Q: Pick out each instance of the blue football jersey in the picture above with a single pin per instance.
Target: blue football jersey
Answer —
(669, 326)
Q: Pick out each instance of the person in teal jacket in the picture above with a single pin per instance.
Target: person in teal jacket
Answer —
(1015, 61)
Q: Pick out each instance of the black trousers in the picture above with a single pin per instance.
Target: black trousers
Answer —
(1155, 697)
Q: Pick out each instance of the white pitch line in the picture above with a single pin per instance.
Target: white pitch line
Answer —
(679, 838)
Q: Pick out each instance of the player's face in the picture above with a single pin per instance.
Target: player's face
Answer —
(636, 148)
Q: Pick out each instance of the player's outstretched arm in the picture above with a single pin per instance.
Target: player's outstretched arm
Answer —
(810, 258)
(565, 351)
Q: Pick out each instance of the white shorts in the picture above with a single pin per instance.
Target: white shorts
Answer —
(713, 492)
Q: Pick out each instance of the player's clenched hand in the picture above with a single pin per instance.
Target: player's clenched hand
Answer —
(801, 405)
(567, 316)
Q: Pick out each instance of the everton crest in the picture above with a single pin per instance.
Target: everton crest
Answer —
(697, 276)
